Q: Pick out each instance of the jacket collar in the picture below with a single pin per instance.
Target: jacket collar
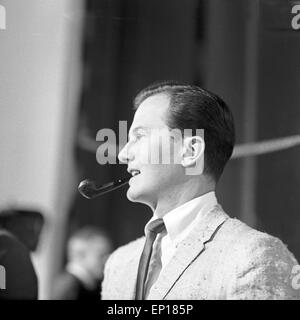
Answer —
(204, 228)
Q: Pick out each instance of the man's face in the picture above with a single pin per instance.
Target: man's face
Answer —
(149, 135)
(91, 254)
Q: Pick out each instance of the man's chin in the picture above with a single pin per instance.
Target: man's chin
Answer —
(132, 196)
(135, 196)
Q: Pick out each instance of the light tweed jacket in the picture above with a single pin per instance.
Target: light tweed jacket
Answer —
(222, 258)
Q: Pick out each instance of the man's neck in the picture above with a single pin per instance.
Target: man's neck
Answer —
(180, 196)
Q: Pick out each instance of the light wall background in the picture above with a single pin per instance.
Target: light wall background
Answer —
(39, 82)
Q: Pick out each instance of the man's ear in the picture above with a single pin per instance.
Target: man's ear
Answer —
(193, 155)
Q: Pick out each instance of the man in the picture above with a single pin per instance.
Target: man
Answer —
(198, 252)
(19, 234)
(87, 251)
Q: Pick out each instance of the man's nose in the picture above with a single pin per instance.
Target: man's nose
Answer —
(124, 155)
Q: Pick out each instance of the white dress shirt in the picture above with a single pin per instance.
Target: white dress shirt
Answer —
(178, 224)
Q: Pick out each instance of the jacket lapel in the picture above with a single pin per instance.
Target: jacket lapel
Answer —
(204, 227)
(130, 272)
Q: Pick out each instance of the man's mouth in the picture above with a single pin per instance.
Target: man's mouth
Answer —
(134, 172)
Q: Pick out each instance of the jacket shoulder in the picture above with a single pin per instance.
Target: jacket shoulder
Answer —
(257, 243)
(128, 250)
(21, 280)
(9, 242)
(6, 236)
(116, 268)
(259, 265)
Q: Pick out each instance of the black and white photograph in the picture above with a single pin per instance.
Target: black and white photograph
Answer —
(150, 150)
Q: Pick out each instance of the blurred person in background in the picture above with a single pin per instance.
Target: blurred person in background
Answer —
(87, 251)
(19, 235)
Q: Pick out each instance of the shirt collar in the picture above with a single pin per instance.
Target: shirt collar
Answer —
(179, 220)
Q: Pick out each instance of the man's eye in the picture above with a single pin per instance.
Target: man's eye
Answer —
(139, 136)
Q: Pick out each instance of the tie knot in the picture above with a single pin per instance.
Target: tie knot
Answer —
(156, 226)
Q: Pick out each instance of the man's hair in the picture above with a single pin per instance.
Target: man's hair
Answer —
(192, 107)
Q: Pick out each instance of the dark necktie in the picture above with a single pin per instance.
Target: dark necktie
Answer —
(153, 229)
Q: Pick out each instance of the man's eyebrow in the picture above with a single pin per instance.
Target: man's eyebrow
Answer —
(139, 128)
